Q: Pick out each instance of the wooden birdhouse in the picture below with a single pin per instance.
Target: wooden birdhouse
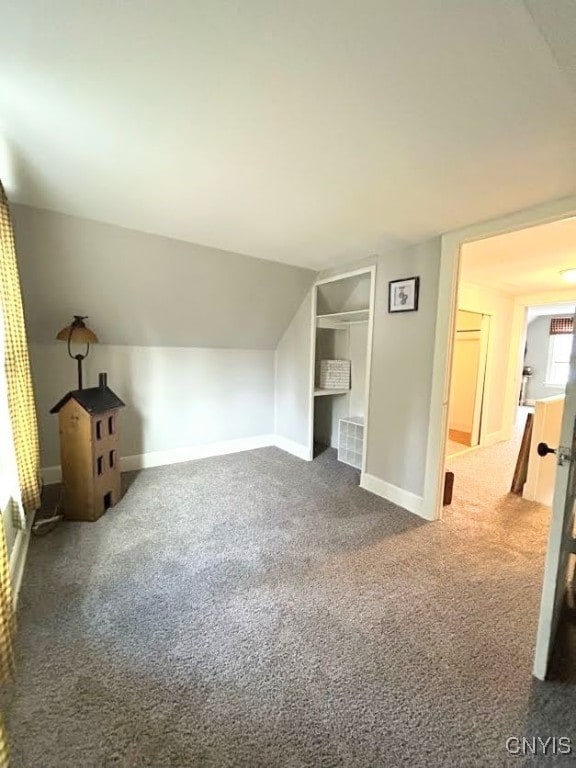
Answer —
(89, 442)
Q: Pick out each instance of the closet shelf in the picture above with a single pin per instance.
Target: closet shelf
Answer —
(353, 316)
(321, 392)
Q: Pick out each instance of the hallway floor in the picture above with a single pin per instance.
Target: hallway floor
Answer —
(482, 480)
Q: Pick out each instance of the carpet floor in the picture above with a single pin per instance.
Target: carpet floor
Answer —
(256, 610)
(452, 447)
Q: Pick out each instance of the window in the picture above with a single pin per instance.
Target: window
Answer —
(99, 465)
(111, 425)
(559, 359)
(112, 459)
(98, 430)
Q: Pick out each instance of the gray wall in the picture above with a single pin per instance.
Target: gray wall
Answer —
(182, 296)
(144, 290)
(401, 376)
(188, 333)
(537, 343)
(176, 397)
(293, 377)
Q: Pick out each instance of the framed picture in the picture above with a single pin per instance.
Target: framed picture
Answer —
(403, 295)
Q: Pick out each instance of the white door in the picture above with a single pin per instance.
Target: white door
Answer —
(481, 380)
(557, 567)
(468, 377)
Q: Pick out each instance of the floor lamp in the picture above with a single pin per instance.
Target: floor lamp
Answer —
(78, 333)
(75, 333)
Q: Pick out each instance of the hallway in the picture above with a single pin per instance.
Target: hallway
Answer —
(482, 498)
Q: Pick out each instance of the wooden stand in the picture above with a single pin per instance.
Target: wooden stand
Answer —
(448, 488)
(521, 470)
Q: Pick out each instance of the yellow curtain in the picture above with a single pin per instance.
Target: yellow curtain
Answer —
(7, 627)
(19, 455)
(17, 380)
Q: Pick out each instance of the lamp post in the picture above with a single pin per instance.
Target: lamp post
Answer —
(78, 333)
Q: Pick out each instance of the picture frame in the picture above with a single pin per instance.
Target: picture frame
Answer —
(403, 294)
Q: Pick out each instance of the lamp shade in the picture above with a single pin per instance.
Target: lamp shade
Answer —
(77, 332)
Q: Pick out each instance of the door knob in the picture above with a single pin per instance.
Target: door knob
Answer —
(544, 449)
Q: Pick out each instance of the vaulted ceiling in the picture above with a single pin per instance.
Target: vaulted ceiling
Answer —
(305, 132)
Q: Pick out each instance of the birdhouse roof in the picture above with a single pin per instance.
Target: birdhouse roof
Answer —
(93, 400)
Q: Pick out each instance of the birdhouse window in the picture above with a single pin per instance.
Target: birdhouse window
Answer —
(99, 465)
(112, 459)
(98, 430)
(111, 425)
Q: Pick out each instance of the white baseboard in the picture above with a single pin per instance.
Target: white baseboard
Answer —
(205, 451)
(406, 499)
(492, 438)
(52, 475)
(18, 560)
(296, 449)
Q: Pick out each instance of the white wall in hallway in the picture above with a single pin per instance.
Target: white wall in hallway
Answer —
(500, 307)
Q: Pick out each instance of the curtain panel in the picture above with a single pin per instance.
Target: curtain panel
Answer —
(7, 628)
(559, 325)
(24, 488)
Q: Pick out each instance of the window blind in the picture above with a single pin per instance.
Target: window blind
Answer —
(561, 325)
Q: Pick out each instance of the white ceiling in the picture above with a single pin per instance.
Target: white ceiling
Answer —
(524, 262)
(550, 309)
(306, 132)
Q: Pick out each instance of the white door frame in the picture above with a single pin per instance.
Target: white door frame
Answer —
(370, 270)
(445, 329)
(518, 340)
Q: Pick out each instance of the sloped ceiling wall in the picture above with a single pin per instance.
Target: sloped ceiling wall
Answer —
(140, 289)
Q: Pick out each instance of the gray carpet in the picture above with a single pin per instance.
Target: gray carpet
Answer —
(256, 610)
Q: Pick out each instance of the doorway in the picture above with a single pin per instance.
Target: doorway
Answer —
(507, 384)
(529, 285)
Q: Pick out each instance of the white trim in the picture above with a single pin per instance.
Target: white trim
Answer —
(275, 389)
(445, 322)
(291, 446)
(492, 438)
(344, 275)
(551, 362)
(405, 499)
(52, 475)
(205, 451)
(369, 345)
(369, 270)
(465, 449)
(312, 373)
(518, 340)
(18, 557)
